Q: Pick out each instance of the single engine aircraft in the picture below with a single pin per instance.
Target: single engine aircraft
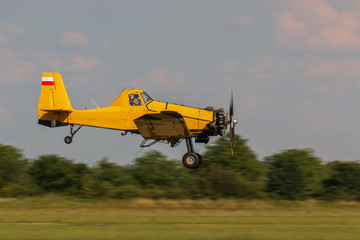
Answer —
(134, 111)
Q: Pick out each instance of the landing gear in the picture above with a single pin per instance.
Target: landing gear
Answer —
(68, 139)
(191, 159)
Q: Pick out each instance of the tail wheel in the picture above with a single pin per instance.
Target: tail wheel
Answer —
(68, 139)
(192, 160)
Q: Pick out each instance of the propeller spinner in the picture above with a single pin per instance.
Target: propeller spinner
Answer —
(233, 123)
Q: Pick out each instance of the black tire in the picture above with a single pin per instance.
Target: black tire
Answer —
(200, 159)
(68, 139)
(192, 160)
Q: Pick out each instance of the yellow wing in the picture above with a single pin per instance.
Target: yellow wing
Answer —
(162, 126)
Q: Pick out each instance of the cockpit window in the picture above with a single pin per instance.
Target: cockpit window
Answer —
(146, 97)
(134, 100)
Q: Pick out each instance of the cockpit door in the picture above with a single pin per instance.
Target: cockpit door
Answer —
(136, 103)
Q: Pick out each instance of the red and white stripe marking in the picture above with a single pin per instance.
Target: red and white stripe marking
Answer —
(47, 81)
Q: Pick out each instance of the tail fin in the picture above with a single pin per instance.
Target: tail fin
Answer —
(53, 100)
(53, 94)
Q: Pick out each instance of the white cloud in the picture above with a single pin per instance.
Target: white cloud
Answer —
(321, 75)
(326, 126)
(241, 19)
(56, 61)
(308, 67)
(3, 114)
(8, 31)
(74, 39)
(49, 61)
(227, 66)
(160, 79)
(318, 25)
(252, 100)
(104, 43)
(81, 62)
(265, 67)
(12, 68)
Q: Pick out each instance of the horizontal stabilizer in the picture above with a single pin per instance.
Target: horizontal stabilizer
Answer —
(56, 110)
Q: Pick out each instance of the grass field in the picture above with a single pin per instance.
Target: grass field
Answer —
(61, 218)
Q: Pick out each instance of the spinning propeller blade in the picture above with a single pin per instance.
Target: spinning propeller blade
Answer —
(233, 123)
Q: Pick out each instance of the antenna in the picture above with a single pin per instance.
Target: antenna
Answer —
(95, 80)
(94, 103)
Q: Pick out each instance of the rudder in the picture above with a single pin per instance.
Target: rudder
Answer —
(53, 93)
(53, 100)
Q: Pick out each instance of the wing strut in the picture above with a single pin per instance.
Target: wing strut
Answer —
(143, 143)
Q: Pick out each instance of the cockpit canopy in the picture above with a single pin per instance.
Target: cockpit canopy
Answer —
(146, 97)
(135, 99)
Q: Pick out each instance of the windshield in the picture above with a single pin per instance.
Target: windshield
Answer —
(146, 97)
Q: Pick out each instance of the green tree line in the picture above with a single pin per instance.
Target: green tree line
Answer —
(293, 174)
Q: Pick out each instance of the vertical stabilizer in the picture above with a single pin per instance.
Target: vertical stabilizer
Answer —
(54, 104)
(53, 95)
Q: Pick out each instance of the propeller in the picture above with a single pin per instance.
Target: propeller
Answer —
(233, 123)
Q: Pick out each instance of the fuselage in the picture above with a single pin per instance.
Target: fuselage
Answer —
(121, 113)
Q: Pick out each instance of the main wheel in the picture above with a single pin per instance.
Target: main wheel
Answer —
(192, 160)
(68, 140)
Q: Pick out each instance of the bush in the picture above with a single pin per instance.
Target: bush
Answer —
(343, 182)
(294, 174)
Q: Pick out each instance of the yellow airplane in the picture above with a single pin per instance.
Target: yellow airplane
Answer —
(135, 111)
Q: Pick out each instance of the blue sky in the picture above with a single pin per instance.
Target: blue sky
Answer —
(294, 68)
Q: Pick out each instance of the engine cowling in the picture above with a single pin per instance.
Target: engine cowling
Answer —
(219, 125)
